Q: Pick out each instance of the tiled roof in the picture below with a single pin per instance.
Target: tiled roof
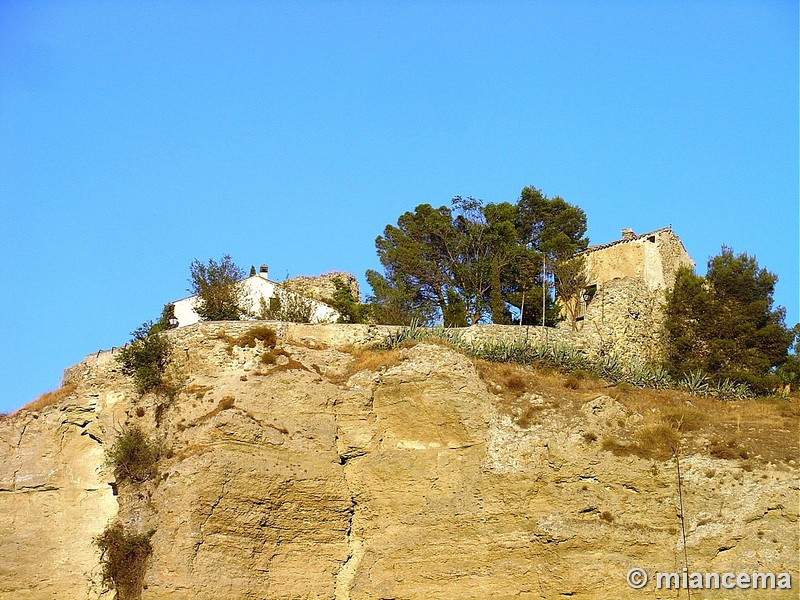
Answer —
(625, 240)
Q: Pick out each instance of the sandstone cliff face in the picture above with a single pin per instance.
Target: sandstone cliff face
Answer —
(414, 479)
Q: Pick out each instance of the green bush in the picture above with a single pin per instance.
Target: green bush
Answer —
(145, 358)
(346, 304)
(219, 290)
(134, 456)
(286, 306)
(124, 558)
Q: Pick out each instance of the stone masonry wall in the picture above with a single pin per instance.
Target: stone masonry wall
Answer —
(323, 286)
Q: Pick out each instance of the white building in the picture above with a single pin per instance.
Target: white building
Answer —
(259, 293)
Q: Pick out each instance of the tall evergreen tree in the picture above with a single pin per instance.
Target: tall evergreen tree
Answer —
(470, 262)
(724, 323)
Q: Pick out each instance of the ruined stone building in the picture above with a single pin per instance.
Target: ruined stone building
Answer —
(621, 309)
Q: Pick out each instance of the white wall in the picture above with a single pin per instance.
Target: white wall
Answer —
(255, 288)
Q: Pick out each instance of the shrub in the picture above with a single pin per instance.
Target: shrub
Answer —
(217, 285)
(286, 306)
(124, 558)
(163, 323)
(145, 358)
(659, 440)
(134, 456)
(345, 303)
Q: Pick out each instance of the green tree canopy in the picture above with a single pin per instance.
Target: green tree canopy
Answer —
(218, 288)
(469, 262)
(724, 323)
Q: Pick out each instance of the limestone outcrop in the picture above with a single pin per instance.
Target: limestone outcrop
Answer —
(326, 472)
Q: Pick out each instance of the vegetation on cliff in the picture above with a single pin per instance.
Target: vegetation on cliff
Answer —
(217, 287)
(124, 558)
(468, 263)
(724, 324)
(146, 357)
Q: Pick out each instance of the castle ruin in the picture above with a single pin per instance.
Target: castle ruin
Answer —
(622, 307)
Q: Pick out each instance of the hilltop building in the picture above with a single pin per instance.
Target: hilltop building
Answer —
(622, 306)
(262, 295)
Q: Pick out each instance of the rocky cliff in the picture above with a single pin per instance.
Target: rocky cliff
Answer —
(325, 471)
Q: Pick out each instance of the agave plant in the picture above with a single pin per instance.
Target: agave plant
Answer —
(660, 378)
(637, 373)
(695, 382)
(723, 389)
(742, 391)
(609, 367)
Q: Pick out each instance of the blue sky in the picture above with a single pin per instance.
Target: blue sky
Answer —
(138, 136)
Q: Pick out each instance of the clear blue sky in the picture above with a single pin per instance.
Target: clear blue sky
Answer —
(138, 136)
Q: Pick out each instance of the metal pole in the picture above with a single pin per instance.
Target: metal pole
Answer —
(544, 288)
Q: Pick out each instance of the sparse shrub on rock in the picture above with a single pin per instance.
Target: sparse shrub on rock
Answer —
(124, 558)
(134, 456)
(145, 358)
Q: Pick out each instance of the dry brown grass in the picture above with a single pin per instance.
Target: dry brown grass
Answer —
(49, 398)
(367, 359)
(655, 440)
(509, 382)
(269, 358)
(227, 403)
(505, 379)
(250, 338)
(199, 391)
(765, 429)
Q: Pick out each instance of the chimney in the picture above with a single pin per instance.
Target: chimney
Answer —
(263, 271)
(627, 234)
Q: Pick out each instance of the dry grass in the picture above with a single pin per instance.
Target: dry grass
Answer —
(767, 428)
(227, 403)
(199, 391)
(250, 338)
(50, 398)
(509, 382)
(367, 359)
(505, 379)
(681, 418)
(730, 448)
(657, 441)
(270, 358)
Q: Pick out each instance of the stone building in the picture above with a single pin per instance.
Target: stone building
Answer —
(622, 307)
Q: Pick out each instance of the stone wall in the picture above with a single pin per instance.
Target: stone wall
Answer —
(322, 286)
(630, 277)
(625, 318)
